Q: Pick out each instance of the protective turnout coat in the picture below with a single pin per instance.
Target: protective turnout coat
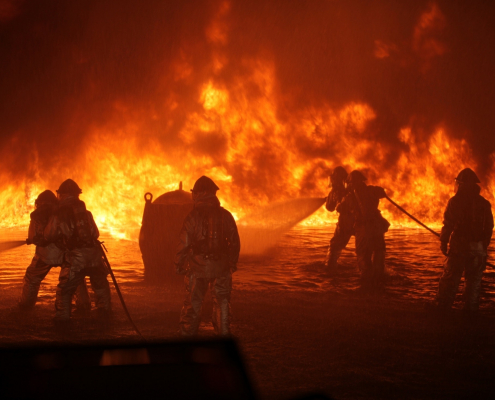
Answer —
(467, 219)
(209, 243)
(47, 252)
(73, 229)
(363, 203)
(335, 197)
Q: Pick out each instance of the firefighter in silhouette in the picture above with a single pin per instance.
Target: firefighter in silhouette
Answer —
(345, 224)
(73, 228)
(207, 254)
(465, 236)
(369, 227)
(46, 256)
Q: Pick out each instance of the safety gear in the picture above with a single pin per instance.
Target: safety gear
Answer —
(345, 225)
(209, 245)
(472, 264)
(196, 289)
(355, 177)
(209, 241)
(339, 175)
(82, 257)
(369, 229)
(467, 218)
(69, 187)
(47, 256)
(205, 184)
(467, 175)
(444, 248)
(69, 283)
(46, 197)
(467, 229)
(341, 237)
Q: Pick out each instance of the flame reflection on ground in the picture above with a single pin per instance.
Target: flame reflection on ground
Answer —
(414, 265)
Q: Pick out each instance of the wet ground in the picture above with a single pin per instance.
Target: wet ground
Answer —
(300, 328)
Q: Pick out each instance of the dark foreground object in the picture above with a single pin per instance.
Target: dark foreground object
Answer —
(172, 370)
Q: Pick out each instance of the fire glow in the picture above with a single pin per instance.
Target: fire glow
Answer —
(249, 137)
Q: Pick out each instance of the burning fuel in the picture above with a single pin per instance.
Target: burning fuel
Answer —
(265, 99)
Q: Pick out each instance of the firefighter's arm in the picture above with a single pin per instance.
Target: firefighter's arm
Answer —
(234, 242)
(31, 233)
(95, 233)
(52, 229)
(331, 204)
(183, 246)
(488, 226)
(344, 206)
(447, 228)
(377, 191)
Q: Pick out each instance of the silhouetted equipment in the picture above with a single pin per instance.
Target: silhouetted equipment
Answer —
(159, 235)
(170, 370)
(117, 288)
(12, 244)
(423, 225)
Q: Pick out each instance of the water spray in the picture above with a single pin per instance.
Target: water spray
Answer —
(11, 244)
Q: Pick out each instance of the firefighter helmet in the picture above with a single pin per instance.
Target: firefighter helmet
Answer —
(355, 177)
(69, 187)
(204, 184)
(339, 174)
(467, 175)
(46, 197)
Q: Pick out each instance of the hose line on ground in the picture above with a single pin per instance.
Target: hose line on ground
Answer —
(107, 263)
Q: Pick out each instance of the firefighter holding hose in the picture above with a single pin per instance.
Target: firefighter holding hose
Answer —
(369, 227)
(47, 255)
(464, 239)
(207, 254)
(73, 229)
(345, 224)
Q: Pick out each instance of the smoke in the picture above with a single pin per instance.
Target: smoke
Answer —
(313, 81)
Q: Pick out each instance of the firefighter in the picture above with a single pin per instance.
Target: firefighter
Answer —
(46, 256)
(73, 228)
(465, 236)
(207, 255)
(369, 227)
(344, 229)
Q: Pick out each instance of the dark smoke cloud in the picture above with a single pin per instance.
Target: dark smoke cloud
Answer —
(68, 66)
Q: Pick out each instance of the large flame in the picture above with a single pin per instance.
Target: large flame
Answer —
(238, 132)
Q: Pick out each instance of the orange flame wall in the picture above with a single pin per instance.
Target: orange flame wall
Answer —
(127, 99)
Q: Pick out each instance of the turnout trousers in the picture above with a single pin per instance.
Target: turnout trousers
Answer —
(196, 288)
(70, 280)
(35, 273)
(340, 238)
(472, 264)
(370, 251)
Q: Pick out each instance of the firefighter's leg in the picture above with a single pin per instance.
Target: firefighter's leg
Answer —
(221, 288)
(378, 259)
(35, 274)
(473, 277)
(99, 284)
(337, 243)
(190, 316)
(67, 286)
(364, 252)
(449, 282)
(83, 302)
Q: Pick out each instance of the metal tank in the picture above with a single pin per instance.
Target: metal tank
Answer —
(158, 238)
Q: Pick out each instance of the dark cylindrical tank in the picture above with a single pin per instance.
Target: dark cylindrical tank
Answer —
(158, 238)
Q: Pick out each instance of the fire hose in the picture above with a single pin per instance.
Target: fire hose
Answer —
(420, 223)
(117, 288)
